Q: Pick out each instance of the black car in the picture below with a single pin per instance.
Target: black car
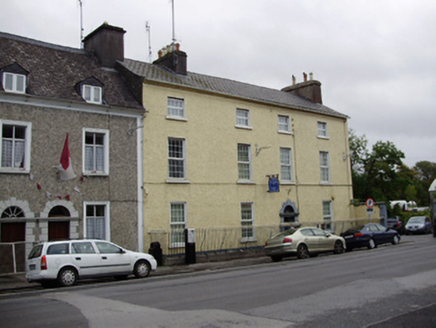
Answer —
(396, 224)
(370, 235)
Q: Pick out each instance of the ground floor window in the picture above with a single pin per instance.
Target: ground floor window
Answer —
(177, 224)
(96, 220)
(327, 215)
(247, 221)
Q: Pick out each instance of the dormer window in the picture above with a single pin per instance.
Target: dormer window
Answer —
(92, 94)
(14, 78)
(91, 90)
(14, 82)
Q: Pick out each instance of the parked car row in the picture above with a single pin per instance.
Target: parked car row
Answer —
(310, 241)
(65, 262)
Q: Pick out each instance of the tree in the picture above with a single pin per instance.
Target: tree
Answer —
(375, 174)
(425, 173)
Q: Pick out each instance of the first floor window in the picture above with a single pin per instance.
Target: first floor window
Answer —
(286, 164)
(97, 221)
(176, 107)
(247, 221)
(176, 158)
(177, 224)
(15, 145)
(244, 162)
(324, 166)
(96, 151)
(327, 216)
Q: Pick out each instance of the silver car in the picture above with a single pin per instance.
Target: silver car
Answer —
(303, 242)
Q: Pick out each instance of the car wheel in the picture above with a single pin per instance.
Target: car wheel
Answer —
(339, 247)
(67, 277)
(276, 258)
(372, 244)
(302, 252)
(142, 269)
(395, 240)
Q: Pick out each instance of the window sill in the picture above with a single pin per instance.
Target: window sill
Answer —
(14, 171)
(247, 182)
(285, 132)
(287, 183)
(326, 183)
(248, 240)
(176, 118)
(323, 137)
(95, 174)
(244, 127)
(178, 181)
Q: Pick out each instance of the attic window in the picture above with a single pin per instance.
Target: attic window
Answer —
(14, 82)
(92, 94)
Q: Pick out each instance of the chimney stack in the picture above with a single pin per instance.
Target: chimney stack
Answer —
(172, 58)
(308, 89)
(107, 42)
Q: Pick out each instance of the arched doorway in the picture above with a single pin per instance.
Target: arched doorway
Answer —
(12, 231)
(59, 229)
(288, 215)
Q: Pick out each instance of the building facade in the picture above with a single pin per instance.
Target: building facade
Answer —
(57, 101)
(237, 159)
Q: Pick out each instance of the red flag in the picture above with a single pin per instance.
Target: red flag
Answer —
(65, 168)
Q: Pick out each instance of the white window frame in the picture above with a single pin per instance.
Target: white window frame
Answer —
(247, 222)
(284, 124)
(286, 166)
(95, 94)
(107, 221)
(27, 147)
(174, 111)
(244, 163)
(243, 118)
(105, 147)
(322, 130)
(181, 239)
(324, 165)
(327, 214)
(181, 160)
(17, 87)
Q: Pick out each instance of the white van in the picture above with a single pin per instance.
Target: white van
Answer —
(405, 205)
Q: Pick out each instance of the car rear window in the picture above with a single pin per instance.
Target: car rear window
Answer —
(35, 252)
(58, 249)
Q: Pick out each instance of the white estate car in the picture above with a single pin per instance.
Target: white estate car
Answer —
(68, 261)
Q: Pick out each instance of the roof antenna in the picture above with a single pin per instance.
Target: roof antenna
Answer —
(81, 24)
(147, 28)
(174, 28)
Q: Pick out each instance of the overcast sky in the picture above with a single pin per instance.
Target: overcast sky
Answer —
(376, 59)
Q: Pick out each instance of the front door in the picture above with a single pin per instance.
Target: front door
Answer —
(58, 230)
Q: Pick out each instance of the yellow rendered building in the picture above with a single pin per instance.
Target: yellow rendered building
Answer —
(235, 161)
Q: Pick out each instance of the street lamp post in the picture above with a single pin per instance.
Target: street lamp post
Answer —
(432, 191)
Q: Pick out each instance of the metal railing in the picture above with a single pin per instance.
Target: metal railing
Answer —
(13, 257)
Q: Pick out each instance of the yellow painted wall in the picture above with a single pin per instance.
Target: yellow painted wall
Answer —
(213, 194)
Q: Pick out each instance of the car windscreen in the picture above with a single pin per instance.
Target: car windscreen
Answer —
(416, 219)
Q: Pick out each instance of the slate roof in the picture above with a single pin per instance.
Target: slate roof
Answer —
(55, 70)
(226, 87)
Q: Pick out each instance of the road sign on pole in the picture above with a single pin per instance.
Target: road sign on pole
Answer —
(370, 203)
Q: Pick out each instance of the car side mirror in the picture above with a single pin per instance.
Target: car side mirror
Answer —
(122, 251)
(328, 235)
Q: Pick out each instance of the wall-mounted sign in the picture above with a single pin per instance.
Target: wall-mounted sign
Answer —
(273, 183)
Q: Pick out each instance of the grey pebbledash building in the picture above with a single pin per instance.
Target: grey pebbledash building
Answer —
(49, 92)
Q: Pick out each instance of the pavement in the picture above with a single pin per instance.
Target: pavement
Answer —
(17, 281)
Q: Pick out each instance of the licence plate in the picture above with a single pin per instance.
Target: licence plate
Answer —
(32, 266)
